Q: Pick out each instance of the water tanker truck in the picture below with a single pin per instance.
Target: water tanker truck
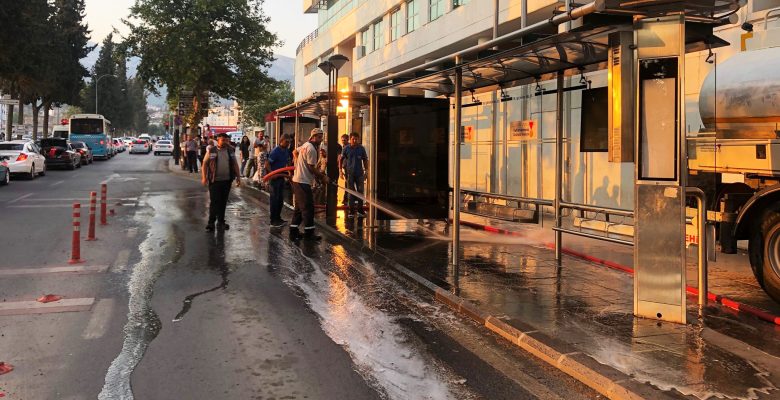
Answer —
(735, 158)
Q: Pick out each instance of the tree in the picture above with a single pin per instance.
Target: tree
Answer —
(220, 47)
(136, 97)
(109, 90)
(254, 111)
(71, 44)
(24, 52)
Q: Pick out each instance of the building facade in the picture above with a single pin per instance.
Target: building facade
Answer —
(381, 37)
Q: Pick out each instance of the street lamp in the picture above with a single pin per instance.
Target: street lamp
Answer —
(331, 68)
(96, 89)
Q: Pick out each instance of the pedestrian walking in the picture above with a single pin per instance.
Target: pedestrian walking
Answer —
(204, 144)
(253, 167)
(192, 154)
(220, 169)
(303, 178)
(244, 147)
(354, 163)
(278, 158)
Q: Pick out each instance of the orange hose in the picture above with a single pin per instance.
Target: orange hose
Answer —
(277, 172)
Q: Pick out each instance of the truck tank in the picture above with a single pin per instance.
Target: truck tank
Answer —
(748, 95)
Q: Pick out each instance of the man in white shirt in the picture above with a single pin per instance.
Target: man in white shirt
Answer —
(305, 174)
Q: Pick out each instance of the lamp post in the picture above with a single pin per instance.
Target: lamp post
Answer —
(96, 89)
(331, 68)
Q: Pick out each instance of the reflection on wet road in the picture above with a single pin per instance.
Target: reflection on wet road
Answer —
(216, 257)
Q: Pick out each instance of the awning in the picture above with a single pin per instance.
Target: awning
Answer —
(317, 104)
(581, 50)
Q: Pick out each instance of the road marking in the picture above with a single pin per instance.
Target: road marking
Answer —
(122, 259)
(57, 183)
(98, 323)
(110, 199)
(44, 206)
(20, 198)
(34, 307)
(88, 269)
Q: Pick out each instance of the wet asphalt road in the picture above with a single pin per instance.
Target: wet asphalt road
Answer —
(180, 313)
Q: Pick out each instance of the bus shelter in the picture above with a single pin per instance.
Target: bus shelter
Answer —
(642, 45)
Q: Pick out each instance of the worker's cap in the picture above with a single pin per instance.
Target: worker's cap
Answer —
(316, 132)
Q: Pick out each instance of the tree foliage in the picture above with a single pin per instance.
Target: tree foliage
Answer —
(254, 111)
(121, 100)
(37, 67)
(202, 46)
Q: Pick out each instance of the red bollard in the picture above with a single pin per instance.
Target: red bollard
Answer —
(75, 257)
(92, 212)
(103, 200)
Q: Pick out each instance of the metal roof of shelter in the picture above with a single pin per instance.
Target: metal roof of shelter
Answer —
(580, 50)
(317, 104)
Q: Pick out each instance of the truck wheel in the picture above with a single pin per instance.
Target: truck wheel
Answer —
(764, 254)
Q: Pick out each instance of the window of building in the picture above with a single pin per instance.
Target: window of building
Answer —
(395, 25)
(412, 15)
(366, 38)
(310, 67)
(457, 3)
(378, 36)
(436, 9)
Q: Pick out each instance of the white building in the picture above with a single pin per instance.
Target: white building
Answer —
(224, 115)
(381, 37)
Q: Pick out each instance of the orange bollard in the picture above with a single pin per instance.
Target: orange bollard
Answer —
(103, 205)
(75, 257)
(92, 212)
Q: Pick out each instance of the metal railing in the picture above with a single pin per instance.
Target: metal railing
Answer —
(308, 39)
(701, 205)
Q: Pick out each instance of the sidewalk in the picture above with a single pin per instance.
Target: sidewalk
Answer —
(586, 308)
(579, 318)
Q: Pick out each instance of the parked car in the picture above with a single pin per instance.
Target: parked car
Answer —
(85, 151)
(23, 157)
(140, 146)
(5, 174)
(59, 153)
(163, 146)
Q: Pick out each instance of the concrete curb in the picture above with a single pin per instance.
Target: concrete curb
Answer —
(602, 378)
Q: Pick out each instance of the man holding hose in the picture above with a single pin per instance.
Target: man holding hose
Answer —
(278, 159)
(304, 176)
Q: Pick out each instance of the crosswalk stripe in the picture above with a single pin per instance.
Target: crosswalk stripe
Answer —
(34, 307)
(87, 269)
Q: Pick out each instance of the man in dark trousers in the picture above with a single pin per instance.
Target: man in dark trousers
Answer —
(192, 154)
(220, 169)
(303, 178)
(278, 159)
(354, 163)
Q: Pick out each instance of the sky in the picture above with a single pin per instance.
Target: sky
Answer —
(287, 20)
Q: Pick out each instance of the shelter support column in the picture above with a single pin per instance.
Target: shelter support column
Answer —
(372, 169)
(456, 171)
(558, 168)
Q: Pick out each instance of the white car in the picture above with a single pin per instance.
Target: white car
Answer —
(23, 158)
(128, 141)
(140, 146)
(163, 146)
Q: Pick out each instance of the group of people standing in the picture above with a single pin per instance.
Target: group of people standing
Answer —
(307, 162)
